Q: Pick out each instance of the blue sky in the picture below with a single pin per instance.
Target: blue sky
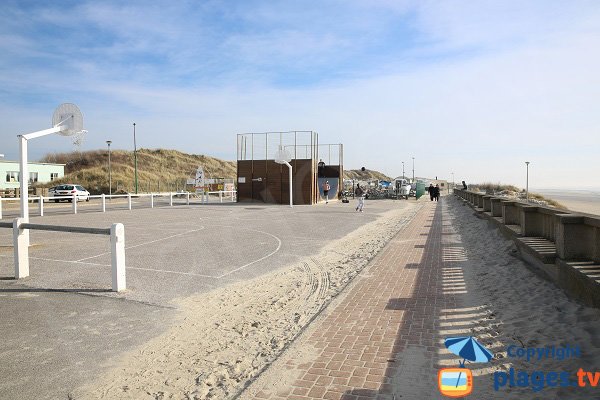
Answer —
(474, 88)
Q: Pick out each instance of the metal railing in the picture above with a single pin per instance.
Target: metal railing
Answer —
(204, 198)
(21, 246)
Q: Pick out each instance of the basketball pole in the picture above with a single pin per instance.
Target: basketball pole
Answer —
(22, 263)
(290, 172)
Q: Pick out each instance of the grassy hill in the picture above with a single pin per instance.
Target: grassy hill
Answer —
(164, 170)
(158, 169)
(365, 175)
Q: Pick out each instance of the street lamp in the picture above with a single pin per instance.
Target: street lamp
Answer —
(413, 170)
(402, 169)
(135, 159)
(108, 142)
(527, 183)
(452, 181)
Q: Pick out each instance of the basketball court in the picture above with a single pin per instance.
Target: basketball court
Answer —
(63, 323)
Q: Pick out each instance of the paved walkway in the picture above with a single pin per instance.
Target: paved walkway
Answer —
(380, 341)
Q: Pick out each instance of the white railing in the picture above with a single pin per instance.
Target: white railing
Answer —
(21, 246)
(204, 199)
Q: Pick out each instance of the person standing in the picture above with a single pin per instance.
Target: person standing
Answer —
(360, 195)
(436, 192)
(326, 189)
(431, 191)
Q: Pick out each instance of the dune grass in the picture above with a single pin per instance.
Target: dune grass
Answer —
(513, 191)
(158, 169)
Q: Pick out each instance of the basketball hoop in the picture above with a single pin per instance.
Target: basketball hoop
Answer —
(282, 156)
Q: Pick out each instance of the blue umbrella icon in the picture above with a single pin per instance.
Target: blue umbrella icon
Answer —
(468, 348)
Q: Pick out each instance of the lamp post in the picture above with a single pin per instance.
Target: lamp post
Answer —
(108, 142)
(413, 170)
(527, 183)
(452, 181)
(135, 159)
(402, 169)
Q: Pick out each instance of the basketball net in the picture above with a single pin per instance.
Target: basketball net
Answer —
(78, 138)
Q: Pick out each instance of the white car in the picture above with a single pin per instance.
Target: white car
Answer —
(66, 192)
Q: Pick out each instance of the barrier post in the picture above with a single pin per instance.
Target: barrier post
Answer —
(74, 204)
(187, 198)
(103, 202)
(41, 206)
(129, 200)
(232, 196)
(0, 207)
(220, 196)
(21, 249)
(117, 243)
(151, 200)
(170, 198)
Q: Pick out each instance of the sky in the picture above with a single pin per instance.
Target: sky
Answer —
(470, 89)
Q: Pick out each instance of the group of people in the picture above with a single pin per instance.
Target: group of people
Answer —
(434, 192)
(358, 192)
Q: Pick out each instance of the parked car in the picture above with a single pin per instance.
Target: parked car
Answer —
(66, 192)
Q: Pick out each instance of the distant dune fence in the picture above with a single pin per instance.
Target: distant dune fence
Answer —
(560, 245)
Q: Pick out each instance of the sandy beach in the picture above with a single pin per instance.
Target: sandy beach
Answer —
(585, 201)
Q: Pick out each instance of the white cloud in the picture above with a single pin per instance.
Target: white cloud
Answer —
(490, 86)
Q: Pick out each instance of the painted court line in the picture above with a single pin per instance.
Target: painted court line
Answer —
(260, 259)
(145, 243)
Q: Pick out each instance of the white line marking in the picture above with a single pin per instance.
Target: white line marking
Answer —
(143, 244)
(260, 259)
(174, 272)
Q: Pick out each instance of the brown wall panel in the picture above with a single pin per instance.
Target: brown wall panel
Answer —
(244, 169)
(259, 181)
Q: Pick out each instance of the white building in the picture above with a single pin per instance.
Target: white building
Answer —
(38, 172)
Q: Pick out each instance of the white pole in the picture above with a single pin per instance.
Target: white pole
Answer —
(129, 200)
(232, 196)
(151, 200)
(103, 203)
(170, 198)
(290, 175)
(24, 182)
(24, 177)
(117, 244)
(220, 196)
(74, 204)
(21, 249)
(527, 183)
(41, 206)
(187, 200)
(0, 207)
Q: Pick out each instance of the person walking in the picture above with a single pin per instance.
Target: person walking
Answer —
(360, 195)
(326, 189)
(431, 191)
(436, 192)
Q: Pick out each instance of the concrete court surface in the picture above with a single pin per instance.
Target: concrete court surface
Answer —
(62, 325)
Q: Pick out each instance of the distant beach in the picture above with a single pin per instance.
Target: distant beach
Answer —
(585, 201)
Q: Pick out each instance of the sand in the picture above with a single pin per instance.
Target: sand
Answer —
(511, 305)
(225, 338)
(585, 201)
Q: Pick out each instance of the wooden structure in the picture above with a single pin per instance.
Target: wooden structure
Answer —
(260, 179)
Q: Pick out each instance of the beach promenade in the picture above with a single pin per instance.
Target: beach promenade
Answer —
(447, 274)
(382, 339)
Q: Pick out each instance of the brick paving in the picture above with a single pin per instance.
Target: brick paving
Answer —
(381, 341)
